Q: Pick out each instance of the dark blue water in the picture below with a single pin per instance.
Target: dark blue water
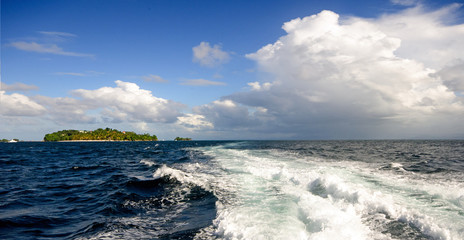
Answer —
(68, 190)
(107, 190)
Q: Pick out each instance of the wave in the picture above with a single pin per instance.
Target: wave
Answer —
(235, 190)
(283, 196)
(147, 162)
(171, 205)
(185, 177)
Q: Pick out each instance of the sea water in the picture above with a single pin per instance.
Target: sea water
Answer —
(232, 190)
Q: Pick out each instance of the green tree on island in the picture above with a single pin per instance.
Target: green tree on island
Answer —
(106, 134)
(182, 139)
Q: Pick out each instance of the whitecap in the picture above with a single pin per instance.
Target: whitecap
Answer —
(147, 162)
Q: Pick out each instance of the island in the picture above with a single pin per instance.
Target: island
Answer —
(100, 134)
(182, 139)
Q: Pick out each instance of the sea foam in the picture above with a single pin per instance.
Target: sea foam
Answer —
(279, 196)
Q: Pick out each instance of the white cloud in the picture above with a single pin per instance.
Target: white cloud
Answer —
(71, 74)
(227, 115)
(429, 37)
(256, 86)
(19, 105)
(57, 34)
(453, 76)
(17, 87)
(66, 110)
(202, 82)
(345, 79)
(209, 56)
(46, 48)
(79, 74)
(194, 122)
(141, 126)
(53, 36)
(127, 102)
(154, 78)
(405, 2)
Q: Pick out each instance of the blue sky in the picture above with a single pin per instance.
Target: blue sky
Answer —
(234, 69)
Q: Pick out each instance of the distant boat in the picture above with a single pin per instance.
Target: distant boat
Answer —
(13, 141)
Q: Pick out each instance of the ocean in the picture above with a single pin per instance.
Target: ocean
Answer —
(232, 190)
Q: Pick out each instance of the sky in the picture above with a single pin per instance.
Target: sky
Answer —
(236, 70)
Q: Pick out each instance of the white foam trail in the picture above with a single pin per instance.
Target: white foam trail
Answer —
(273, 195)
(191, 175)
(398, 167)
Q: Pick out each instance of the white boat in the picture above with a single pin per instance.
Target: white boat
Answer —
(12, 141)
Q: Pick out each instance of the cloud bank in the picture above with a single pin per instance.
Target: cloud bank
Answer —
(125, 103)
(13, 105)
(354, 78)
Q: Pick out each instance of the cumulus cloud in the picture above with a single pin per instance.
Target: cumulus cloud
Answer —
(209, 56)
(453, 76)
(429, 37)
(127, 102)
(341, 79)
(257, 86)
(17, 87)
(226, 115)
(141, 126)
(19, 105)
(65, 110)
(202, 82)
(194, 122)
